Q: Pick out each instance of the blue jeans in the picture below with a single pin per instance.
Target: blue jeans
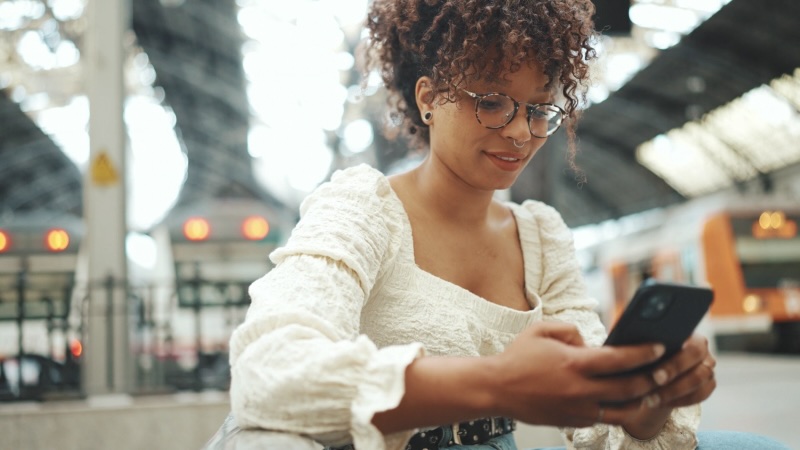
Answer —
(502, 442)
(725, 440)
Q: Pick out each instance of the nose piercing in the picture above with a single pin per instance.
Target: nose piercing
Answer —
(519, 144)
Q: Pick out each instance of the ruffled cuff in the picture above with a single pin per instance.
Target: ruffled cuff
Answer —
(382, 390)
(679, 432)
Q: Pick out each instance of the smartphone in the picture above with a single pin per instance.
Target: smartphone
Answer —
(661, 312)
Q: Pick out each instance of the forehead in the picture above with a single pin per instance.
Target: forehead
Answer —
(529, 78)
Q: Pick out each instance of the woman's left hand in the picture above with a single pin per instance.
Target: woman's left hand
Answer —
(685, 379)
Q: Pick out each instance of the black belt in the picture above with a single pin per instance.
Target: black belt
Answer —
(465, 433)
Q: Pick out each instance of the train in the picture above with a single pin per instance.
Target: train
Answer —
(746, 250)
(182, 308)
(40, 342)
(208, 253)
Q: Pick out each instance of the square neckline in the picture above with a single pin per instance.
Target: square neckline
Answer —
(533, 300)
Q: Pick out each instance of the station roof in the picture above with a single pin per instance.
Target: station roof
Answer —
(196, 53)
(34, 173)
(743, 46)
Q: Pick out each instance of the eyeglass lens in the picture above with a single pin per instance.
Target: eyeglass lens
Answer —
(497, 110)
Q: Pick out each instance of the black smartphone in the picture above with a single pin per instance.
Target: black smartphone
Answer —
(661, 312)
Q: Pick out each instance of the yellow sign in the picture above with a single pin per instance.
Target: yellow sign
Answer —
(103, 171)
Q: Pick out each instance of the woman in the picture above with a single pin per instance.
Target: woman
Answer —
(401, 304)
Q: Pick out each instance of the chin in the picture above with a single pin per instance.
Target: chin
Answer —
(504, 184)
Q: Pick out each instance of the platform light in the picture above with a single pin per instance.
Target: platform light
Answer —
(255, 228)
(196, 229)
(771, 220)
(56, 240)
(774, 224)
(752, 303)
(5, 241)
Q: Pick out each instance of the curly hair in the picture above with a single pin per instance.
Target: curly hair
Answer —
(453, 41)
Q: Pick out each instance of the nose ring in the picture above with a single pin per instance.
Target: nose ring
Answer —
(519, 144)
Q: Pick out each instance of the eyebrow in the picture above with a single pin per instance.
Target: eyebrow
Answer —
(504, 83)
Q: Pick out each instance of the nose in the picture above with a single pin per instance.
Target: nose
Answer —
(518, 129)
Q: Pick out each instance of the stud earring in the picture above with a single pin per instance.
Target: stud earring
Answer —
(427, 117)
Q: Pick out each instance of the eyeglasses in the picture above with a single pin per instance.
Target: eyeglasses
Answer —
(496, 110)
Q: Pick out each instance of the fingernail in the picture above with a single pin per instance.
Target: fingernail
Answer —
(651, 401)
(659, 350)
(660, 376)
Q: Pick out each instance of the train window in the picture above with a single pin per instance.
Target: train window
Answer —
(689, 263)
(773, 250)
(770, 275)
(768, 263)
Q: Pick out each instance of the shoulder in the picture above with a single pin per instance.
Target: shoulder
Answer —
(355, 218)
(543, 230)
(545, 219)
(360, 184)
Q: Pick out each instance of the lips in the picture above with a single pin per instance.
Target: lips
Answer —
(507, 161)
(508, 156)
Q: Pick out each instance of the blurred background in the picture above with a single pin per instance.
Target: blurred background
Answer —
(153, 153)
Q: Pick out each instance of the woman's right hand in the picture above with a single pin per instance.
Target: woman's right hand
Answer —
(547, 376)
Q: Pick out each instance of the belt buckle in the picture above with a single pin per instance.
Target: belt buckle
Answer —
(494, 429)
(456, 437)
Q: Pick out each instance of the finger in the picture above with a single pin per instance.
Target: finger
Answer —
(687, 388)
(564, 332)
(693, 353)
(588, 414)
(622, 389)
(609, 360)
(699, 395)
(619, 414)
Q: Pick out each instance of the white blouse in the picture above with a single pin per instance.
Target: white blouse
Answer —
(332, 328)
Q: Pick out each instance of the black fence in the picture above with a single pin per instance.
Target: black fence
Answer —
(178, 334)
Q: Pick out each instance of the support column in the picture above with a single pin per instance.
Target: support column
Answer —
(105, 364)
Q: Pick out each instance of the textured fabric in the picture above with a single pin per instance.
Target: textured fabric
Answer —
(333, 326)
(726, 440)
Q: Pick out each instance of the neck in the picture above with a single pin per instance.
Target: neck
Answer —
(449, 197)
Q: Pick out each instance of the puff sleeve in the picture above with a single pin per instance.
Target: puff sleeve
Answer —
(298, 362)
(564, 298)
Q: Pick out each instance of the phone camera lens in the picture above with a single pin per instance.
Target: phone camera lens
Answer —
(654, 307)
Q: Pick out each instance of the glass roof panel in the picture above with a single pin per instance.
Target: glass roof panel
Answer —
(754, 134)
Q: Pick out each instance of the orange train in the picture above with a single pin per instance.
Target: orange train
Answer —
(750, 258)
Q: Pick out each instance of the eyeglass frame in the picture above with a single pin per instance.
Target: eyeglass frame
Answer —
(479, 97)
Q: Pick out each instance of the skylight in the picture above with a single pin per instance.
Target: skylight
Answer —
(754, 134)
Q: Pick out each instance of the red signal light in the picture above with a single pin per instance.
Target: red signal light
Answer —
(56, 240)
(196, 229)
(76, 348)
(5, 241)
(255, 228)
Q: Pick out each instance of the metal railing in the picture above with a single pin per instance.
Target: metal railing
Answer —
(177, 333)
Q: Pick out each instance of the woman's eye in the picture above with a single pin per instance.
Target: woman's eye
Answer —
(491, 105)
(539, 114)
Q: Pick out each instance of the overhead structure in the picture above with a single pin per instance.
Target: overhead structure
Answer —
(743, 46)
(630, 144)
(195, 49)
(35, 175)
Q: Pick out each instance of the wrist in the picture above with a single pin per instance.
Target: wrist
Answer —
(648, 423)
(488, 387)
(441, 390)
